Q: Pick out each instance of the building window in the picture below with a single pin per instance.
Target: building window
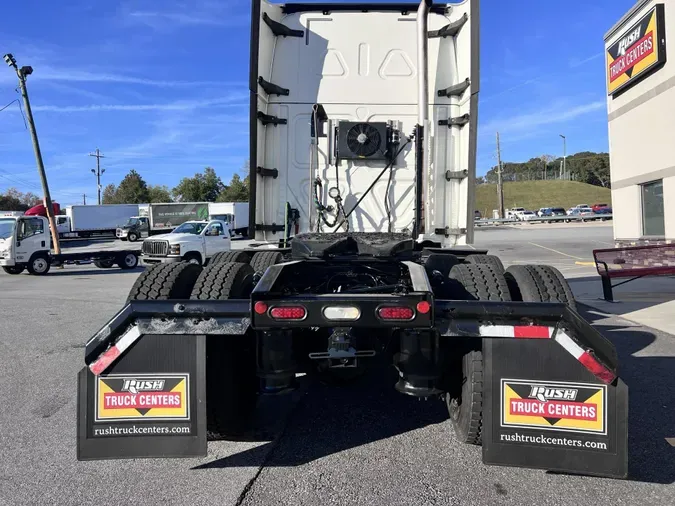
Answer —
(653, 223)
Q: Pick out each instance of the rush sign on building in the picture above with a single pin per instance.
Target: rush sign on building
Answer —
(639, 49)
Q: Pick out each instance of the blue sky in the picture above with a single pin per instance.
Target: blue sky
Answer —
(161, 86)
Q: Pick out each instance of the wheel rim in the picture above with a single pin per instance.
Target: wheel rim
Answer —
(132, 237)
(40, 265)
(130, 260)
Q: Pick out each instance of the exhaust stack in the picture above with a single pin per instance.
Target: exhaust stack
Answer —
(422, 61)
(421, 154)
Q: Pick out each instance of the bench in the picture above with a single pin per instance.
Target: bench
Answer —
(633, 262)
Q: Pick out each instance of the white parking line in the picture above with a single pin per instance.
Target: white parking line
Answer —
(555, 251)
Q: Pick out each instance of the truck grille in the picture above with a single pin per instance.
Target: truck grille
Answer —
(156, 248)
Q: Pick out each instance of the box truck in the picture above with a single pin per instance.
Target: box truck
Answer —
(235, 214)
(161, 219)
(87, 221)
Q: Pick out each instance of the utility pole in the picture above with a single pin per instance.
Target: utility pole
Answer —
(84, 199)
(22, 73)
(500, 186)
(98, 172)
(564, 156)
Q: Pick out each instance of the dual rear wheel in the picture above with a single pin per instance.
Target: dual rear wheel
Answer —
(231, 381)
(486, 280)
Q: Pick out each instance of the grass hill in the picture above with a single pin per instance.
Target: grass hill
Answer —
(533, 195)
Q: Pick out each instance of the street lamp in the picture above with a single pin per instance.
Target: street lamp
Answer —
(564, 155)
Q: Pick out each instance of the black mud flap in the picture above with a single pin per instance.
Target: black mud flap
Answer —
(149, 402)
(548, 411)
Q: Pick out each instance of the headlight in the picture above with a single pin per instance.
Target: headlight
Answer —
(174, 249)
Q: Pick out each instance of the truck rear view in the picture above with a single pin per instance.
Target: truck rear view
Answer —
(363, 140)
(349, 132)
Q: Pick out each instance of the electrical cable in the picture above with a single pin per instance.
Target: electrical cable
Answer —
(388, 166)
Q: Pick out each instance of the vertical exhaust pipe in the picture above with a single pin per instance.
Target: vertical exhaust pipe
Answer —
(423, 61)
(421, 154)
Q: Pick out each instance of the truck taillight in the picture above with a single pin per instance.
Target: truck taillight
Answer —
(288, 313)
(396, 313)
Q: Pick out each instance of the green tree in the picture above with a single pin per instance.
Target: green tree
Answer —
(159, 193)
(110, 194)
(236, 191)
(132, 189)
(203, 187)
(15, 200)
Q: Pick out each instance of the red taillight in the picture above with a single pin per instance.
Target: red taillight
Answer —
(260, 307)
(288, 313)
(423, 307)
(396, 313)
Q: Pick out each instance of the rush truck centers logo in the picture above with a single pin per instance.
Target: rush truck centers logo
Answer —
(142, 396)
(570, 407)
(638, 49)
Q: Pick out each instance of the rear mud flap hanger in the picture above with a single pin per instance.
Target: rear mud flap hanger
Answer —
(452, 319)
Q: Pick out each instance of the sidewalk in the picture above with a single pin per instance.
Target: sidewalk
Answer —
(647, 301)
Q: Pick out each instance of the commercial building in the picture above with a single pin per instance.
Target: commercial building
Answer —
(641, 109)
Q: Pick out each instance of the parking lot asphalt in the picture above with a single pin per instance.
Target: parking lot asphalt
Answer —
(360, 444)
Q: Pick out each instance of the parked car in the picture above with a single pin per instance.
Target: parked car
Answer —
(527, 216)
(582, 212)
(603, 210)
(551, 211)
(595, 207)
(544, 211)
(477, 215)
(558, 211)
(514, 213)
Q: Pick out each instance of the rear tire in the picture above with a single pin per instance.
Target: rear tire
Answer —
(14, 269)
(465, 400)
(230, 256)
(231, 380)
(104, 264)
(132, 237)
(539, 283)
(165, 282)
(261, 260)
(480, 282)
(466, 413)
(223, 281)
(491, 260)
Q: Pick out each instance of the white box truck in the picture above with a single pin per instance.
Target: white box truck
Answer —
(85, 221)
(235, 214)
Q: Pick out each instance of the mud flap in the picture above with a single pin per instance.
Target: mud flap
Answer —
(550, 412)
(151, 402)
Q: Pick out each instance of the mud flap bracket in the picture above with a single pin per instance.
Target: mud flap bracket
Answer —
(550, 412)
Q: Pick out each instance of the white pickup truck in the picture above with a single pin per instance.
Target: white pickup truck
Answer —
(193, 241)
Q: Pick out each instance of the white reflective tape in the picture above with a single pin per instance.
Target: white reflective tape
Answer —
(496, 331)
(128, 339)
(566, 342)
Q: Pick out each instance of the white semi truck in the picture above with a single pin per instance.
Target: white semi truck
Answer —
(363, 136)
(25, 244)
(87, 221)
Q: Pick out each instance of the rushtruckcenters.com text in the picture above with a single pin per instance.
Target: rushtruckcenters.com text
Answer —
(552, 441)
(134, 430)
